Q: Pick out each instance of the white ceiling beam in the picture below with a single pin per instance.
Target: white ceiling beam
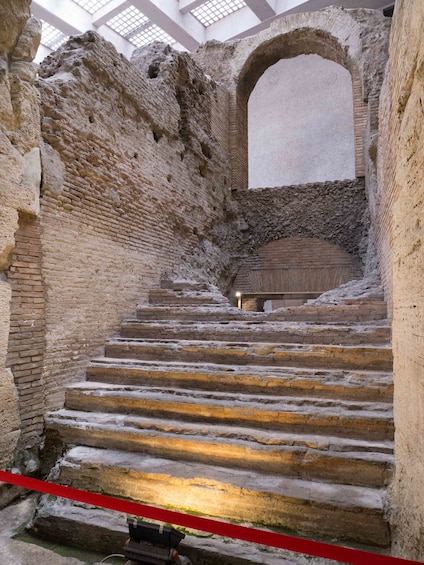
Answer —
(287, 7)
(42, 53)
(109, 11)
(121, 44)
(66, 16)
(235, 23)
(71, 19)
(184, 28)
(261, 8)
(294, 6)
(186, 6)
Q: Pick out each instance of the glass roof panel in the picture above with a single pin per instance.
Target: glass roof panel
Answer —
(52, 37)
(91, 5)
(149, 34)
(127, 21)
(214, 10)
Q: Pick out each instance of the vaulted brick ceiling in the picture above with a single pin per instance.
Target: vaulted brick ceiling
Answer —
(129, 24)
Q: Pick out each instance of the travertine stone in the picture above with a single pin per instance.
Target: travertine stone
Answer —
(8, 226)
(277, 332)
(371, 357)
(312, 457)
(53, 169)
(31, 178)
(400, 236)
(14, 15)
(28, 42)
(20, 175)
(238, 494)
(353, 385)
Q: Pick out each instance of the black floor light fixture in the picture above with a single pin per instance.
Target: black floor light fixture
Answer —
(153, 544)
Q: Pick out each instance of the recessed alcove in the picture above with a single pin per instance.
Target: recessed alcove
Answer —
(300, 123)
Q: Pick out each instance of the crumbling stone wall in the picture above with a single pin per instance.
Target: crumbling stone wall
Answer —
(19, 179)
(135, 180)
(332, 211)
(400, 237)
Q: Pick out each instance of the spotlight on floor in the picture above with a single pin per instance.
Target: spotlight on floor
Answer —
(153, 544)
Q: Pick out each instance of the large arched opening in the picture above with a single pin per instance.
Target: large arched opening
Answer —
(300, 124)
(289, 45)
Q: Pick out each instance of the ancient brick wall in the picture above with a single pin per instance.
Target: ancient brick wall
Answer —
(135, 180)
(400, 235)
(27, 329)
(19, 180)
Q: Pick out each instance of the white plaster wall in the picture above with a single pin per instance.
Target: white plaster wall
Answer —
(301, 123)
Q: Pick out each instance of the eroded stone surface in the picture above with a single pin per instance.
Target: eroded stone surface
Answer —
(400, 162)
(20, 177)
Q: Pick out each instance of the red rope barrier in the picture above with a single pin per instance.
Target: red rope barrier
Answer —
(281, 541)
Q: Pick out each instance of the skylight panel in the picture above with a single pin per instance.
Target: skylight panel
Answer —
(127, 21)
(52, 37)
(214, 10)
(92, 5)
(149, 34)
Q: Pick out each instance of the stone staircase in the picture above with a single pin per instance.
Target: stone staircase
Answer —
(283, 420)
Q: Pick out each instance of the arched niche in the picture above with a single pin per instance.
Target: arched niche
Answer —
(300, 124)
(295, 264)
(293, 43)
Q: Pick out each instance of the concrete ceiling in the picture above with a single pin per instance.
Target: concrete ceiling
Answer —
(184, 23)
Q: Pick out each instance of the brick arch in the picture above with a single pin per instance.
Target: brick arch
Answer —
(296, 264)
(334, 34)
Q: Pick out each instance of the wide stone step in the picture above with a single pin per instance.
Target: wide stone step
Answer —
(356, 312)
(368, 357)
(260, 331)
(186, 297)
(308, 415)
(90, 527)
(327, 458)
(211, 312)
(353, 385)
(342, 512)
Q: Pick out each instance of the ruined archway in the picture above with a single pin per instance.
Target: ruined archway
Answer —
(289, 44)
(301, 124)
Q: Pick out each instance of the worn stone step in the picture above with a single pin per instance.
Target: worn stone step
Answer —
(186, 297)
(82, 525)
(308, 415)
(368, 357)
(213, 312)
(357, 312)
(175, 284)
(353, 385)
(255, 331)
(341, 512)
(328, 458)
